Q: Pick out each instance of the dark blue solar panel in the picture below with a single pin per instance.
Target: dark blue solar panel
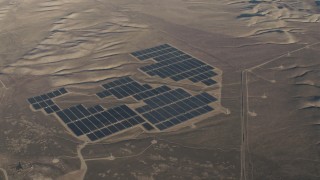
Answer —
(147, 126)
(49, 102)
(63, 117)
(99, 134)
(139, 119)
(98, 108)
(175, 64)
(36, 106)
(48, 110)
(70, 114)
(120, 126)
(82, 126)
(133, 121)
(76, 112)
(115, 114)
(92, 137)
(38, 98)
(109, 117)
(32, 100)
(55, 108)
(75, 129)
(56, 93)
(175, 121)
(92, 110)
(121, 112)
(83, 110)
(168, 124)
(63, 91)
(101, 95)
(89, 124)
(113, 129)
(43, 104)
(106, 131)
(95, 121)
(102, 119)
(126, 124)
(122, 88)
(174, 107)
(51, 95)
(209, 82)
(161, 126)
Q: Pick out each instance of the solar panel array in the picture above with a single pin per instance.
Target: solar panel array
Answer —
(165, 107)
(174, 107)
(122, 88)
(45, 102)
(97, 123)
(175, 64)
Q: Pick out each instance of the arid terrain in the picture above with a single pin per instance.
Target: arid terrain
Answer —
(266, 123)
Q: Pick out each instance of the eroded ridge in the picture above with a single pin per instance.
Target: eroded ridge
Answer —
(175, 64)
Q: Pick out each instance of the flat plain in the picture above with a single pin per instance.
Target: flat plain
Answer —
(266, 119)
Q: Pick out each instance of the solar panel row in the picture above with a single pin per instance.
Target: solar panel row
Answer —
(183, 117)
(176, 65)
(44, 101)
(47, 96)
(96, 122)
(152, 92)
(165, 107)
(153, 52)
(177, 103)
(123, 88)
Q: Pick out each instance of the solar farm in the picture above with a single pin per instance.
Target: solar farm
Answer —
(175, 64)
(158, 107)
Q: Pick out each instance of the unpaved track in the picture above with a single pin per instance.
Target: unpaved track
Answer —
(244, 114)
(245, 107)
(4, 173)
